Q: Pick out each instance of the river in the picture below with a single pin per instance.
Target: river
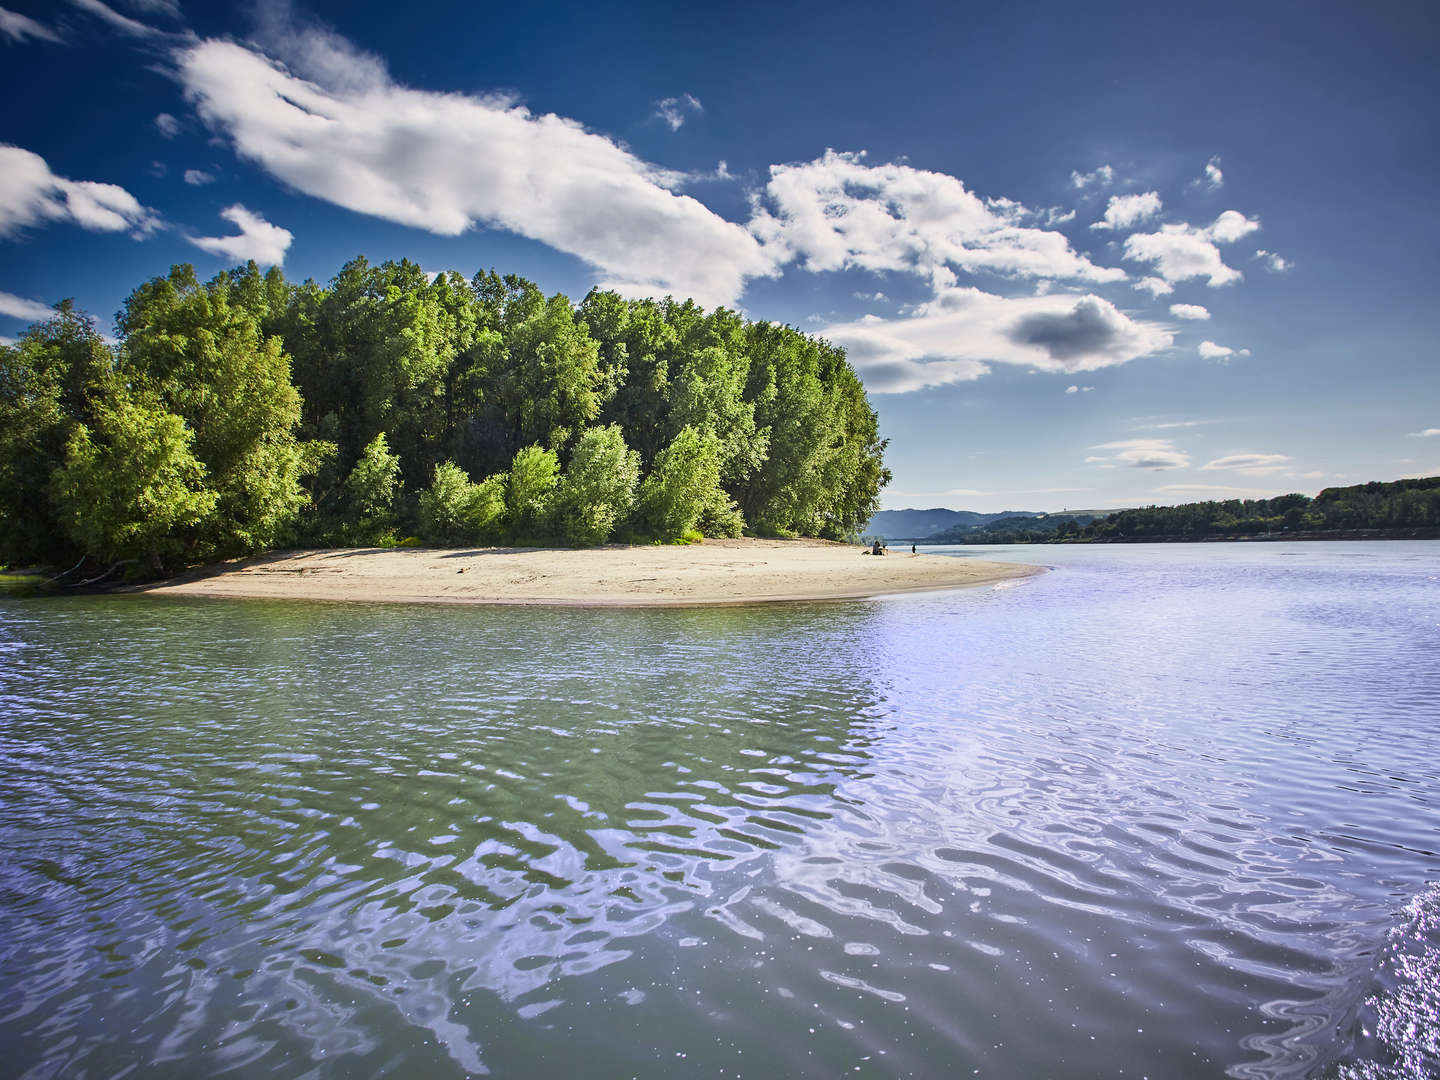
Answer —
(1165, 811)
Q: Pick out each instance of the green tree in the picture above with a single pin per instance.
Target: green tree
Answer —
(453, 510)
(530, 490)
(128, 490)
(682, 486)
(597, 491)
(370, 491)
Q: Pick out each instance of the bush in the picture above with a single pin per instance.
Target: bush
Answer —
(597, 491)
(454, 511)
(530, 491)
(370, 495)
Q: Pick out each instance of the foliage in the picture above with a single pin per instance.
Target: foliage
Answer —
(453, 510)
(597, 491)
(350, 411)
(370, 491)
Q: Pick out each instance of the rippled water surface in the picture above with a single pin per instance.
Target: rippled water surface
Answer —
(1160, 812)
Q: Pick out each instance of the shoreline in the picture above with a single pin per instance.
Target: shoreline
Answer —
(709, 573)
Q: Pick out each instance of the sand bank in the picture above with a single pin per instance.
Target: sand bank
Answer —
(714, 572)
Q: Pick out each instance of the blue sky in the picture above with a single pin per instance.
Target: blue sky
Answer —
(1082, 255)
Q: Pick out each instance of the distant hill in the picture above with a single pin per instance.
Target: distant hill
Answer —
(920, 524)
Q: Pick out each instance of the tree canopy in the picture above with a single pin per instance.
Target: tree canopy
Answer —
(248, 412)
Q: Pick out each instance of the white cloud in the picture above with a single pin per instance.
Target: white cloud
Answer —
(1214, 178)
(7, 341)
(1104, 176)
(676, 110)
(1073, 389)
(1058, 216)
(1208, 350)
(1189, 311)
(447, 162)
(167, 125)
(30, 194)
(1251, 464)
(959, 334)
(1180, 252)
(1126, 211)
(258, 239)
(18, 27)
(1209, 492)
(838, 213)
(1154, 286)
(1428, 433)
(122, 23)
(157, 7)
(198, 178)
(1272, 262)
(1231, 226)
(17, 307)
(1143, 454)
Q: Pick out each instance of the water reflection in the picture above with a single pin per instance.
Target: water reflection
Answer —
(1152, 814)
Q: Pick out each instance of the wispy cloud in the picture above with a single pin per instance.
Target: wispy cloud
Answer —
(198, 177)
(1156, 454)
(1103, 176)
(18, 27)
(1272, 262)
(17, 307)
(674, 111)
(1075, 388)
(1428, 433)
(167, 125)
(332, 123)
(1250, 464)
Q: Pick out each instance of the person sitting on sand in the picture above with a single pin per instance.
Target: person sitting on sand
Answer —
(875, 549)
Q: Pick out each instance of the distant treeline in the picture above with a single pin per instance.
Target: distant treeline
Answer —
(247, 412)
(1398, 508)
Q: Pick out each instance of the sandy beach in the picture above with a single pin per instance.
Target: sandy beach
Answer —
(714, 572)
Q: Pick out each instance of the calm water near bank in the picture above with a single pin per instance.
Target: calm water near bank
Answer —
(1167, 811)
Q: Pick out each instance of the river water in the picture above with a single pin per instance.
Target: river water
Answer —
(1165, 811)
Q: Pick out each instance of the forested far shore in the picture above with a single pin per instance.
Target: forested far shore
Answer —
(391, 406)
(1408, 509)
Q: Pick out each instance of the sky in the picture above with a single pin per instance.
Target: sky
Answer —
(1082, 255)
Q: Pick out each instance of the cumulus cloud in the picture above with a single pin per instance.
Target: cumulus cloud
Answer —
(1142, 454)
(1057, 215)
(1180, 252)
(1251, 464)
(837, 212)
(167, 125)
(1154, 286)
(258, 239)
(198, 177)
(1126, 211)
(18, 27)
(1189, 311)
(1272, 262)
(958, 335)
(17, 307)
(348, 134)
(1428, 433)
(1074, 389)
(1213, 178)
(1104, 176)
(674, 111)
(30, 195)
(1210, 351)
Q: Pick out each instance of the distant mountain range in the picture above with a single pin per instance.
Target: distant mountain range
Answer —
(918, 524)
(944, 525)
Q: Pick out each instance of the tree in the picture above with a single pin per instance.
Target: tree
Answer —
(370, 491)
(682, 486)
(455, 511)
(129, 490)
(598, 488)
(529, 492)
